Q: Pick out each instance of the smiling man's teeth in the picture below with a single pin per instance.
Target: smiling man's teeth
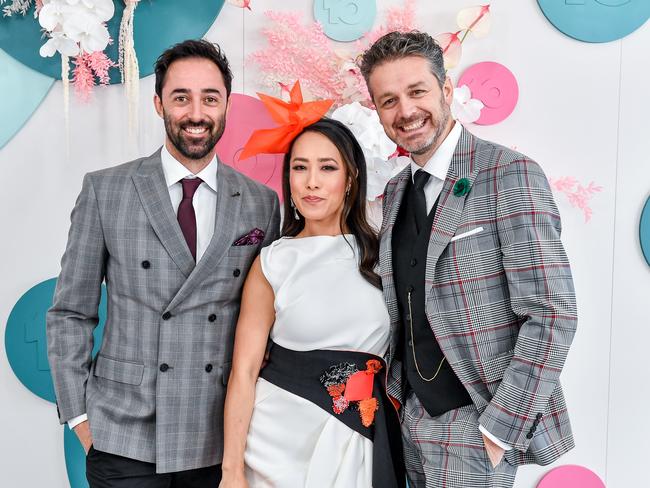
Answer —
(195, 130)
(413, 126)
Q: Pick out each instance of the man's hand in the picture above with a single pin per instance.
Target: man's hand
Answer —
(83, 433)
(494, 452)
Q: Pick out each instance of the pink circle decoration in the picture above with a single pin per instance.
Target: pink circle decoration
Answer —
(495, 86)
(571, 476)
(247, 114)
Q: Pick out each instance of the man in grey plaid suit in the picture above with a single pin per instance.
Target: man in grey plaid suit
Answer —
(477, 283)
(173, 236)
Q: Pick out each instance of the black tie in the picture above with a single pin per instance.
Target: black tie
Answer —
(419, 200)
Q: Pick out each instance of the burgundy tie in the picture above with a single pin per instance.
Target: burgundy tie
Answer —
(186, 215)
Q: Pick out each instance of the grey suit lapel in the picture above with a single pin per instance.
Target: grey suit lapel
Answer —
(393, 201)
(450, 207)
(229, 199)
(152, 189)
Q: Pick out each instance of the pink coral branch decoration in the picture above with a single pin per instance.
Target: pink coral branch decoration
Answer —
(296, 51)
(401, 19)
(83, 79)
(90, 70)
(304, 52)
(577, 194)
(101, 64)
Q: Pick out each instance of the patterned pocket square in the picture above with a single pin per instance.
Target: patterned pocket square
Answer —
(254, 237)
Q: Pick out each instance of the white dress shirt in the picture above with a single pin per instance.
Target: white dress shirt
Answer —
(205, 197)
(204, 203)
(437, 167)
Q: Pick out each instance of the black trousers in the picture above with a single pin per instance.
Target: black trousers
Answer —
(104, 470)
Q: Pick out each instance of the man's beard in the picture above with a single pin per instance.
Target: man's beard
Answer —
(175, 133)
(440, 125)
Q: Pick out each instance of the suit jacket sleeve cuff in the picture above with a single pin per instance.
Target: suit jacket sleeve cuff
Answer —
(501, 444)
(73, 422)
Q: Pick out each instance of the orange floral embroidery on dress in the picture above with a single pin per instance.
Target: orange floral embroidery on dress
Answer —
(367, 409)
(336, 390)
(346, 384)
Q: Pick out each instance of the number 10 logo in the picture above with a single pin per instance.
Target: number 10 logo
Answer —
(596, 20)
(606, 3)
(644, 231)
(345, 20)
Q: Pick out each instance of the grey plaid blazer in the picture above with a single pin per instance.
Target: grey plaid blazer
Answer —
(162, 309)
(500, 301)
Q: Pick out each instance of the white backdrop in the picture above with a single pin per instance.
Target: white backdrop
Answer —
(582, 112)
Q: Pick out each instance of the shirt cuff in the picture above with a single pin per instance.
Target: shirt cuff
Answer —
(73, 422)
(498, 442)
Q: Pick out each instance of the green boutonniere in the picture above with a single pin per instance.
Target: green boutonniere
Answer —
(462, 187)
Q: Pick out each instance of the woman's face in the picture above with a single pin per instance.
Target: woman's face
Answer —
(318, 178)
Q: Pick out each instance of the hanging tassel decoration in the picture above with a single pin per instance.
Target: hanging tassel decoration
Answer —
(65, 78)
(129, 69)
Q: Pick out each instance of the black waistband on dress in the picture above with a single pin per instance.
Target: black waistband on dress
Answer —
(351, 386)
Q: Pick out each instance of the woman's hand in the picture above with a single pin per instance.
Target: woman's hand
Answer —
(235, 479)
(256, 317)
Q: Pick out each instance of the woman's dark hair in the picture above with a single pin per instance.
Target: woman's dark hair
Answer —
(192, 48)
(354, 206)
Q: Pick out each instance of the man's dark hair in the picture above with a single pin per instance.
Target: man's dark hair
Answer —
(192, 48)
(398, 45)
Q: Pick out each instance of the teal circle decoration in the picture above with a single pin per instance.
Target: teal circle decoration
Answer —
(75, 459)
(345, 20)
(24, 91)
(644, 231)
(26, 342)
(157, 25)
(596, 20)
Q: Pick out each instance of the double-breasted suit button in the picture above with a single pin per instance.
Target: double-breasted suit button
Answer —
(146, 264)
(236, 273)
(164, 367)
(212, 317)
(208, 368)
(413, 262)
(529, 435)
(166, 316)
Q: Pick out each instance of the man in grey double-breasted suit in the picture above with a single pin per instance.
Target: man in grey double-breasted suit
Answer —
(172, 235)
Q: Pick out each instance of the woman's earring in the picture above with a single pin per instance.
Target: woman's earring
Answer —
(295, 210)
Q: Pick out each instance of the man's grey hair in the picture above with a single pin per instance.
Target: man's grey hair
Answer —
(398, 45)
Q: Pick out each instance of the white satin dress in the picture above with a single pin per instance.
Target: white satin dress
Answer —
(321, 302)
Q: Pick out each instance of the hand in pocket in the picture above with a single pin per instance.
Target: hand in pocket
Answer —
(83, 433)
(494, 452)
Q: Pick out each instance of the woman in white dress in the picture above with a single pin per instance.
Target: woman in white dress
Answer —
(316, 415)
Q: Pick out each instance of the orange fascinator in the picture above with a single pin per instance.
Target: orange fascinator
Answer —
(292, 116)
